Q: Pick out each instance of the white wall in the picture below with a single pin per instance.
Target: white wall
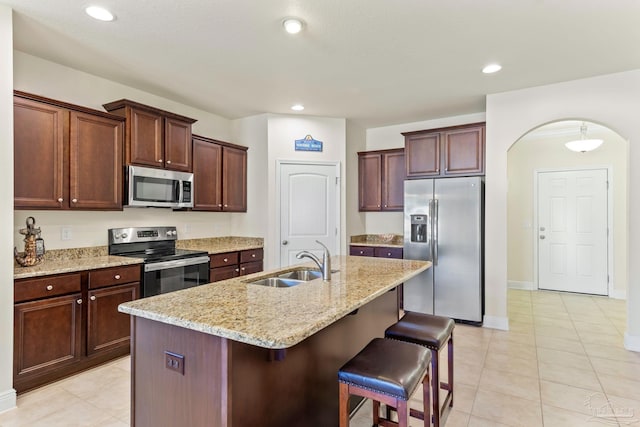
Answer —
(356, 141)
(7, 393)
(282, 132)
(613, 101)
(383, 138)
(41, 77)
(530, 154)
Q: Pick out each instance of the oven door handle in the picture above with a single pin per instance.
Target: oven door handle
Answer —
(164, 265)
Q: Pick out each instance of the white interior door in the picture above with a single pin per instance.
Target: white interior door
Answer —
(572, 231)
(309, 209)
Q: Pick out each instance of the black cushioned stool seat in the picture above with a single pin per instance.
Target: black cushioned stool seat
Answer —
(387, 372)
(431, 332)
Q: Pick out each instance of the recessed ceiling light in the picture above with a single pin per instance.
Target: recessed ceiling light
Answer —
(292, 25)
(100, 13)
(492, 68)
(297, 107)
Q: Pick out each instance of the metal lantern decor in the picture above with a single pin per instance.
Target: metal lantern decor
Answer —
(33, 245)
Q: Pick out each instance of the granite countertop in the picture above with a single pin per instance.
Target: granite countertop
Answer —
(277, 318)
(384, 240)
(57, 261)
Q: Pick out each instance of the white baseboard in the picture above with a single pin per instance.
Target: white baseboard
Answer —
(526, 286)
(618, 294)
(7, 400)
(496, 322)
(631, 342)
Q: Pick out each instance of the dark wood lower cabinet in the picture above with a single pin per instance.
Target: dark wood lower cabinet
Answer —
(227, 383)
(66, 323)
(107, 328)
(233, 264)
(48, 336)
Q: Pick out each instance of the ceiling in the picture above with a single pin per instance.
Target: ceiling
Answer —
(375, 62)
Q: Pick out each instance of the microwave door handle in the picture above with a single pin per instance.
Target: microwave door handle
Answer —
(178, 191)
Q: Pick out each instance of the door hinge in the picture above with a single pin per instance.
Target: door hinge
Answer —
(337, 180)
(607, 185)
(607, 279)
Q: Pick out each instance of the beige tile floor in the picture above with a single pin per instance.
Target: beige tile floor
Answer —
(562, 363)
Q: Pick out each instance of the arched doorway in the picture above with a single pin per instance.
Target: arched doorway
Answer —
(542, 153)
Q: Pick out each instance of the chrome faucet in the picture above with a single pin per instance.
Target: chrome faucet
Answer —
(324, 266)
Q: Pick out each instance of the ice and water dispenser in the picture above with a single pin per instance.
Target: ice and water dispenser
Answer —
(419, 228)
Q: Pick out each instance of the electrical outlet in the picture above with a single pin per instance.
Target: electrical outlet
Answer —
(65, 232)
(174, 362)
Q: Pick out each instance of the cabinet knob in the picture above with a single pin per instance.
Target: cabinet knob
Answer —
(117, 277)
(237, 270)
(159, 160)
(79, 300)
(226, 260)
(49, 287)
(242, 268)
(226, 206)
(253, 255)
(361, 252)
(60, 200)
(220, 205)
(378, 205)
(446, 169)
(92, 297)
(74, 200)
(386, 206)
(388, 253)
(168, 162)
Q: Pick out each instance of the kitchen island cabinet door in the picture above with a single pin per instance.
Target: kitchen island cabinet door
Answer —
(234, 179)
(95, 162)
(47, 337)
(39, 144)
(108, 329)
(207, 177)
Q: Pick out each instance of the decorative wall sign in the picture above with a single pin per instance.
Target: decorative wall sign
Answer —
(308, 144)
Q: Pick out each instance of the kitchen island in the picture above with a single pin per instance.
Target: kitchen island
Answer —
(237, 354)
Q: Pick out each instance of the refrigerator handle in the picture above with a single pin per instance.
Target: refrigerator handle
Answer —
(430, 231)
(434, 223)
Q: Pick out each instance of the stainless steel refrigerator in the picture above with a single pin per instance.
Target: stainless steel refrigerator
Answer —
(443, 223)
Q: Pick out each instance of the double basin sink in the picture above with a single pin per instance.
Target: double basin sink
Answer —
(288, 279)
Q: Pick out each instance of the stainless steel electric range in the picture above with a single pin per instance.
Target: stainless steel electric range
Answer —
(166, 268)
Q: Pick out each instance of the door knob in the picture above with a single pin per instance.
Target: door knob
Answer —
(285, 242)
(541, 237)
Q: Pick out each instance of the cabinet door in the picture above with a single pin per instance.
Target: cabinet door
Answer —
(177, 145)
(250, 267)
(369, 181)
(95, 162)
(234, 179)
(422, 154)
(47, 336)
(207, 176)
(393, 181)
(464, 151)
(145, 141)
(107, 328)
(39, 139)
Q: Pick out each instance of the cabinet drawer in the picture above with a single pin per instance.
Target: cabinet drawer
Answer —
(384, 252)
(250, 267)
(30, 289)
(361, 251)
(114, 276)
(251, 255)
(224, 273)
(221, 260)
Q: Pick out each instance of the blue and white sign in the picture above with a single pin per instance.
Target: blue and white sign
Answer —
(308, 144)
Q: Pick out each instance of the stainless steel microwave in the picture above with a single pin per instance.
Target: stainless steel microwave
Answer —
(148, 187)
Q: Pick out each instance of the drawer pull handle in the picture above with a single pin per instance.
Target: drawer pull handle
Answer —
(49, 287)
(92, 298)
(60, 200)
(226, 260)
(361, 252)
(388, 253)
(253, 255)
(159, 160)
(168, 162)
(242, 269)
(237, 270)
(117, 277)
(74, 200)
(79, 300)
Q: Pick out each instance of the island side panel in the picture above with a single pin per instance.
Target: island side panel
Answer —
(165, 397)
(302, 388)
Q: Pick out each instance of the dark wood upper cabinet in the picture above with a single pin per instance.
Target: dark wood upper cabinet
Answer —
(460, 149)
(154, 137)
(220, 175)
(66, 156)
(381, 177)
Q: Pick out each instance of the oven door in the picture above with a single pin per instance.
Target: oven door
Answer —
(168, 276)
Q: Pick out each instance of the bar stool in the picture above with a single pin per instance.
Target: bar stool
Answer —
(431, 332)
(388, 372)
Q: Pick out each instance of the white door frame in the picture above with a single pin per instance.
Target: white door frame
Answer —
(534, 231)
(279, 164)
